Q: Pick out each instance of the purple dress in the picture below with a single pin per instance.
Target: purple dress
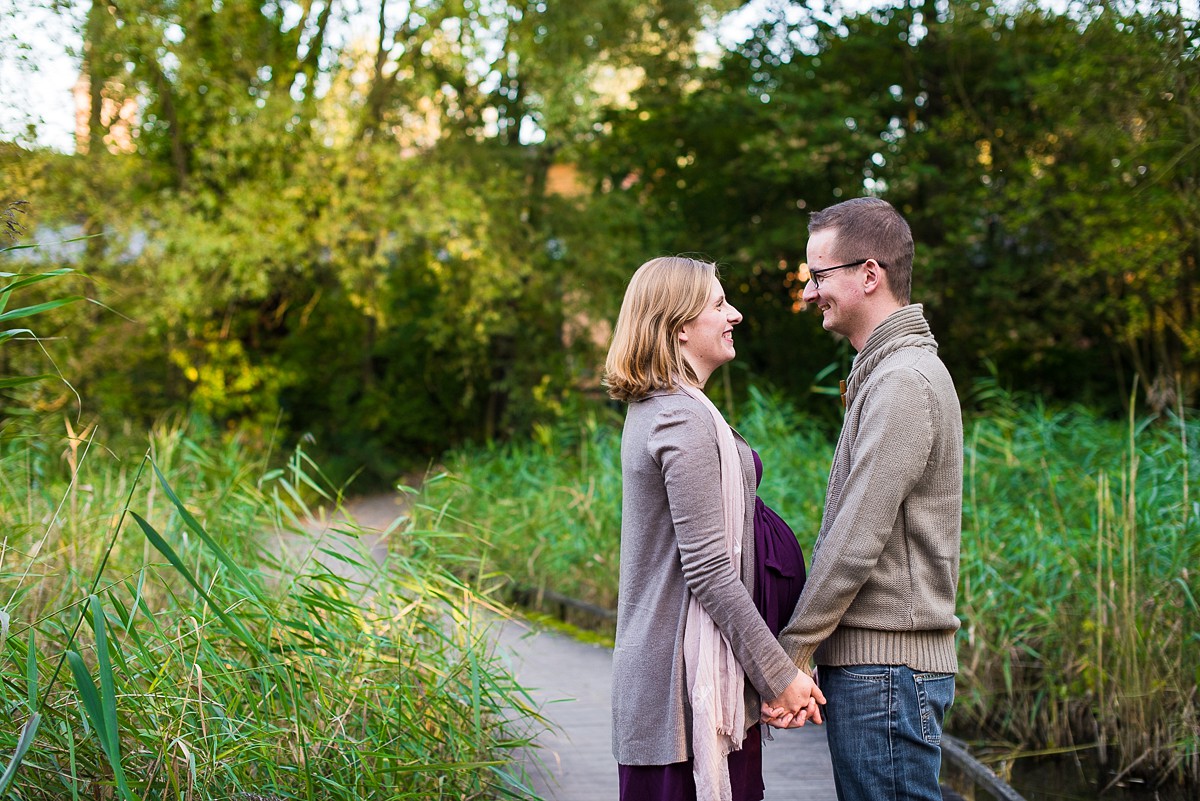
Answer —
(779, 564)
(778, 580)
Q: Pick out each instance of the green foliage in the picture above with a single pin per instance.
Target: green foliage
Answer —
(353, 245)
(232, 649)
(544, 514)
(1057, 239)
(1078, 576)
(536, 513)
(20, 284)
(369, 241)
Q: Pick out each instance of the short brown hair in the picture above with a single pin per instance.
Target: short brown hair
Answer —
(870, 228)
(663, 295)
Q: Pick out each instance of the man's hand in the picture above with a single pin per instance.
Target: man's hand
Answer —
(796, 706)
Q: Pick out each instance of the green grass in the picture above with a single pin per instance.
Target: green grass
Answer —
(1078, 587)
(184, 636)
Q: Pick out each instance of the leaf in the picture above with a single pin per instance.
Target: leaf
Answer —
(190, 521)
(89, 696)
(31, 674)
(29, 311)
(28, 280)
(476, 701)
(166, 550)
(24, 742)
(108, 694)
(101, 708)
(17, 381)
(13, 333)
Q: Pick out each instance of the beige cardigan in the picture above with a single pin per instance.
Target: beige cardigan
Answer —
(671, 541)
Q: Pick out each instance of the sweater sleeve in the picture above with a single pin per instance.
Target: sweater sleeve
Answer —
(887, 458)
(686, 450)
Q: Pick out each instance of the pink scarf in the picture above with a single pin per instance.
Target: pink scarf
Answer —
(714, 676)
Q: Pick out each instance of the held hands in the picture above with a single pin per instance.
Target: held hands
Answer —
(797, 705)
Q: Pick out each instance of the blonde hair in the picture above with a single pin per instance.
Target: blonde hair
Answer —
(663, 295)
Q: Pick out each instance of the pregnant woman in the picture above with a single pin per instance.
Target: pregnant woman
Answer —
(704, 565)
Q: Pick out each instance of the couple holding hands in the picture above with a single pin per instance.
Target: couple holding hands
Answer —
(717, 624)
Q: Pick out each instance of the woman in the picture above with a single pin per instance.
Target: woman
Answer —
(693, 652)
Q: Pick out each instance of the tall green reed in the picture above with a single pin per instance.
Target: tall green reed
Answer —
(546, 513)
(1077, 590)
(227, 650)
(539, 514)
(1078, 573)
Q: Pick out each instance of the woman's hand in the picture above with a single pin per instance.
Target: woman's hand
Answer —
(780, 718)
(797, 705)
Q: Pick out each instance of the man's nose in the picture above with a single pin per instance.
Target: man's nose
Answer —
(810, 293)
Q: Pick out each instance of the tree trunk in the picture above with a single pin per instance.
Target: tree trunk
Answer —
(94, 67)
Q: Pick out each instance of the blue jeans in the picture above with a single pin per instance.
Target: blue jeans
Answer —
(884, 724)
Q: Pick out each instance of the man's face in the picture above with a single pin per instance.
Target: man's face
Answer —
(840, 296)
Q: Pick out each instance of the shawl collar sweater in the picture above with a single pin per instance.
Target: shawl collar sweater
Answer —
(884, 575)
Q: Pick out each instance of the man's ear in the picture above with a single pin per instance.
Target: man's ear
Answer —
(873, 279)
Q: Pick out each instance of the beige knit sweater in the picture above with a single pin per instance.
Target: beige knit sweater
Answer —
(881, 587)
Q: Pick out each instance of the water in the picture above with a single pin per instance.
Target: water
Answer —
(1065, 777)
(1080, 778)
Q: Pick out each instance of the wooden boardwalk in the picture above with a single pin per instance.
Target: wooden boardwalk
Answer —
(571, 681)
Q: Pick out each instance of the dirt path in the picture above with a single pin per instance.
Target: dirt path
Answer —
(346, 555)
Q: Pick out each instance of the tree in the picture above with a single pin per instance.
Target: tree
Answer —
(1032, 253)
(355, 237)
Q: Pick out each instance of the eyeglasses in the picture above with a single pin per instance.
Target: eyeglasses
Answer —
(811, 275)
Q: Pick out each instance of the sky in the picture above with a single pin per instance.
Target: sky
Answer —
(39, 64)
(38, 70)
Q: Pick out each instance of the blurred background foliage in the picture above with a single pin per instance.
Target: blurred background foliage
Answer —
(393, 227)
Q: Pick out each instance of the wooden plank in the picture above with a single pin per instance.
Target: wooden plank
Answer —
(571, 681)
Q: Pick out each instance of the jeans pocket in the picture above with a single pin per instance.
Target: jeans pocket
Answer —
(858, 696)
(935, 694)
(871, 673)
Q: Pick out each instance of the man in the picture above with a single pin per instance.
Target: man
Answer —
(877, 612)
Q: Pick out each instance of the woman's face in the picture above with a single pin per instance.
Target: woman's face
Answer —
(707, 341)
